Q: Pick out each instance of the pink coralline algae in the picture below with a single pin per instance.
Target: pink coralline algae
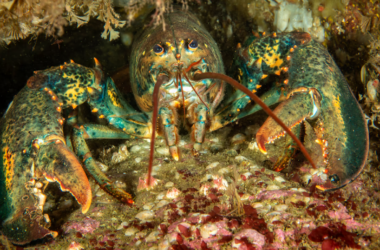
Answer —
(87, 225)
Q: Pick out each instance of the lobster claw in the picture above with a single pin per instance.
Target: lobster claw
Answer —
(58, 163)
(26, 220)
(340, 127)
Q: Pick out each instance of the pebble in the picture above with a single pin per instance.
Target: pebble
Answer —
(323, 177)
(153, 236)
(135, 149)
(273, 187)
(240, 159)
(161, 204)
(164, 245)
(122, 225)
(208, 230)
(253, 146)
(131, 231)
(160, 196)
(247, 175)
(212, 165)
(100, 192)
(163, 150)
(102, 166)
(141, 234)
(172, 193)
(281, 207)
(245, 197)
(280, 179)
(216, 147)
(257, 205)
(145, 215)
(148, 206)
(264, 209)
(232, 152)
(169, 184)
(223, 171)
(138, 160)
(121, 155)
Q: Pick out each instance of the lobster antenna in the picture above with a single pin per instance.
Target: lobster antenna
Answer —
(161, 79)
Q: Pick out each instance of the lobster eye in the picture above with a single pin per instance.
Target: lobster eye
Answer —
(334, 178)
(158, 49)
(193, 45)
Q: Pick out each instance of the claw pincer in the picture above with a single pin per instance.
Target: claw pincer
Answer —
(312, 89)
(34, 150)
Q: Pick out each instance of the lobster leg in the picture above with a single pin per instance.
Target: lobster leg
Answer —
(84, 154)
(168, 127)
(198, 117)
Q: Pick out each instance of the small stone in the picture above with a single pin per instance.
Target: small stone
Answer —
(238, 139)
(169, 184)
(163, 150)
(264, 209)
(232, 152)
(164, 245)
(241, 159)
(145, 215)
(135, 149)
(216, 147)
(131, 231)
(161, 204)
(208, 230)
(280, 179)
(245, 197)
(251, 235)
(100, 192)
(161, 196)
(172, 193)
(121, 155)
(138, 160)
(152, 237)
(212, 165)
(102, 166)
(253, 146)
(281, 207)
(257, 205)
(273, 187)
(141, 234)
(323, 177)
(122, 225)
(223, 171)
(148, 206)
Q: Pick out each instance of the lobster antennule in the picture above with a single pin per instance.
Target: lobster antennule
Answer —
(255, 98)
(161, 79)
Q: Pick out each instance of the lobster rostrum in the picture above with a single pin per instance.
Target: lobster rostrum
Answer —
(179, 68)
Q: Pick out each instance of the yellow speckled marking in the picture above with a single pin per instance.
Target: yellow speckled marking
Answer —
(271, 60)
(338, 111)
(8, 162)
(115, 101)
(72, 86)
